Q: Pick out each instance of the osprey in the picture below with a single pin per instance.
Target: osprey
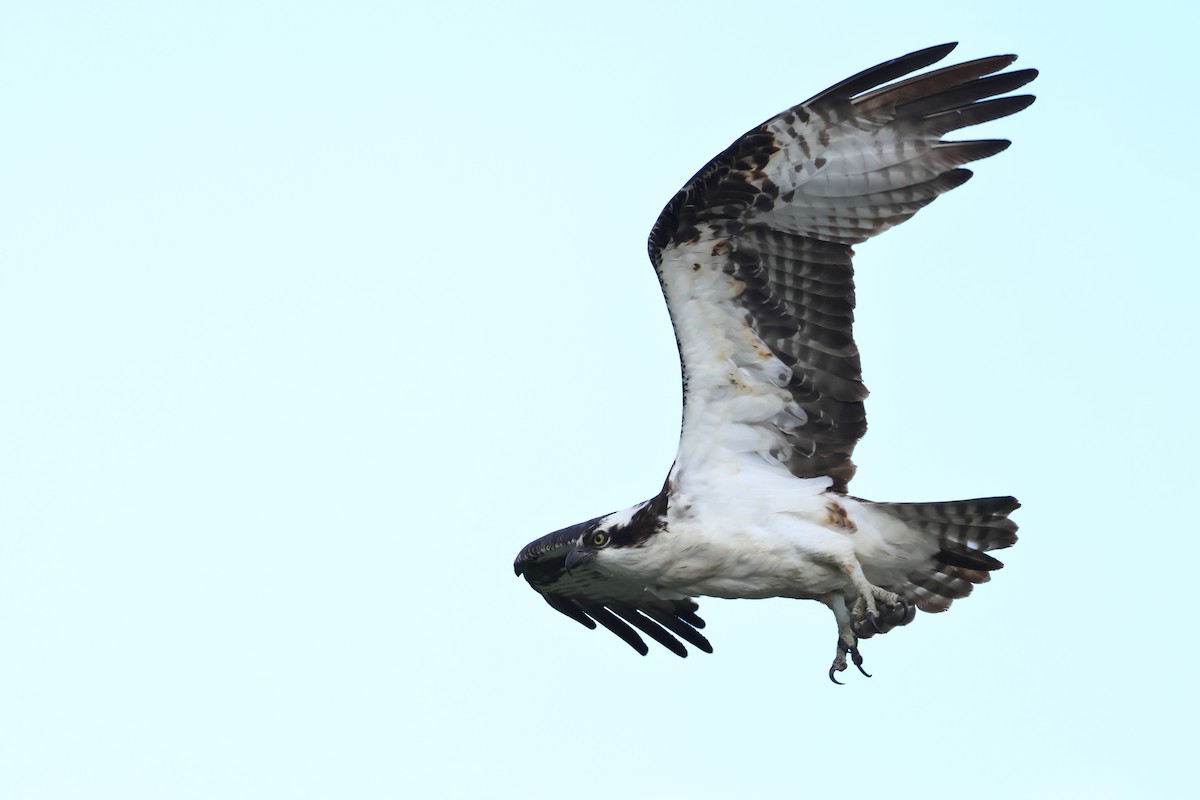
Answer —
(754, 258)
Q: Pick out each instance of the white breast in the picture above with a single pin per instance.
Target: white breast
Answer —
(737, 529)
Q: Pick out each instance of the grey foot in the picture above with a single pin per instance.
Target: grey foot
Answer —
(867, 623)
(870, 597)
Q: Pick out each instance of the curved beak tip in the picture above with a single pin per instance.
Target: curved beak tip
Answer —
(573, 559)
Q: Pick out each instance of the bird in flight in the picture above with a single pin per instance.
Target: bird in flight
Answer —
(754, 258)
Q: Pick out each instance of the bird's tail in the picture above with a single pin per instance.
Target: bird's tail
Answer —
(964, 531)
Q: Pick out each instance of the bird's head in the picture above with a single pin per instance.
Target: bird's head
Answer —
(608, 542)
(592, 540)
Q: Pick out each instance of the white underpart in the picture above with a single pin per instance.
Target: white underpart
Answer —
(748, 532)
(736, 401)
(739, 523)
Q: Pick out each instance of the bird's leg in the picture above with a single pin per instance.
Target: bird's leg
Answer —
(865, 607)
(847, 642)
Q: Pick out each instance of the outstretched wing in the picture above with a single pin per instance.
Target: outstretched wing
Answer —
(588, 596)
(754, 255)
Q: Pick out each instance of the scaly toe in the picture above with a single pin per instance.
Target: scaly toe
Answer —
(839, 663)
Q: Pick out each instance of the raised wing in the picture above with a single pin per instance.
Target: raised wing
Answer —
(754, 255)
(588, 596)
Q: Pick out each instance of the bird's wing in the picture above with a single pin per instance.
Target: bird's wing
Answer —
(754, 255)
(588, 596)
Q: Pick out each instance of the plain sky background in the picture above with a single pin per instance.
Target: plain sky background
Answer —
(313, 314)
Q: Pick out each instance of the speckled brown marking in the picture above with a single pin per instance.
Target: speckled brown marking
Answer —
(720, 248)
(838, 518)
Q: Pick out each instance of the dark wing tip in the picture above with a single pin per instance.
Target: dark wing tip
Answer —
(919, 59)
(884, 72)
(956, 177)
(618, 626)
(567, 607)
(679, 623)
(934, 54)
(625, 619)
(651, 627)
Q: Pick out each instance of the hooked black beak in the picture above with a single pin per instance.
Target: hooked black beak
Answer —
(575, 558)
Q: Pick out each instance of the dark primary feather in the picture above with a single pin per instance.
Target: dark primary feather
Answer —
(783, 204)
(589, 596)
(882, 73)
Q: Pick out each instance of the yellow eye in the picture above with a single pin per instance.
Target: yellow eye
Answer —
(599, 539)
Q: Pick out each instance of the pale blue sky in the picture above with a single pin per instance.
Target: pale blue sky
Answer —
(313, 314)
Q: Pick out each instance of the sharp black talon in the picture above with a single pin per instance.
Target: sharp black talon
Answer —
(858, 661)
(874, 622)
(835, 680)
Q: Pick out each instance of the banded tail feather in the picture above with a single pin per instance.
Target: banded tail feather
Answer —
(965, 531)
